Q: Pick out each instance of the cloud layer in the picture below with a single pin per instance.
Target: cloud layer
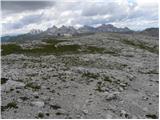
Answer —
(22, 16)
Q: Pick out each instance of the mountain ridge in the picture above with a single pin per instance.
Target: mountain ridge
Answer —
(54, 31)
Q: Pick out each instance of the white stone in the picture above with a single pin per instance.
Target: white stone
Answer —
(111, 96)
(38, 103)
(12, 84)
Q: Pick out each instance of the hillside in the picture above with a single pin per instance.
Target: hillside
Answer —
(151, 32)
(54, 31)
(101, 75)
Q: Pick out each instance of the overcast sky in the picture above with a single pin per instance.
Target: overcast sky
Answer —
(22, 16)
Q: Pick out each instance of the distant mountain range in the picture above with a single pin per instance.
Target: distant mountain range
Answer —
(151, 31)
(54, 31)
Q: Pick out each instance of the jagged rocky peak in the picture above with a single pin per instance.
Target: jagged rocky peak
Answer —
(35, 31)
(106, 28)
(86, 28)
(63, 27)
(125, 28)
(111, 28)
(71, 27)
(151, 32)
(108, 25)
(67, 30)
(52, 29)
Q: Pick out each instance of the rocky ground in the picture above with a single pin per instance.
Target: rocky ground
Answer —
(96, 76)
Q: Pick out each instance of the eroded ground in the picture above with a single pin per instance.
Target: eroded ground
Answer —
(95, 76)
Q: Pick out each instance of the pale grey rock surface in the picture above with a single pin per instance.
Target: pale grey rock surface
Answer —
(85, 85)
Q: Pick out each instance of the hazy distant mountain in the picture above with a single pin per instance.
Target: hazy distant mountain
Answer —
(151, 31)
(35, 31)
(53, 31)
(67, 30)
(106, 28)
(111, 28)
(5, 38)
(86, 29)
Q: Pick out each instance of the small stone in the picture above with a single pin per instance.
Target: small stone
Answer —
(62, 111)
(10, 84)
(122, 84)
(78, 116)
(145, 98)
(109, 116)
(35, 93)
(44, 87)
(121, 89)
(124, 114)
(145, 109)
(38, 103)
(107, 89)
(19, 100)
(111, 96)
(44, 98)
(85, 111)
(52, 98)
(134, 117)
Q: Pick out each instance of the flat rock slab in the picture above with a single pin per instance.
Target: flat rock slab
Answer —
(12, 84)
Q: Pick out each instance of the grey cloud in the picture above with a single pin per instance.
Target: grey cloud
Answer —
(81, 13)
(118, 12)
(114, 10)
(89, 21)
(102, 8)
(31, 19)
(9, 7)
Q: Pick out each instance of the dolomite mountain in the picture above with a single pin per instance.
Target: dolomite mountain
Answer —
(104, 74)
(85, 29)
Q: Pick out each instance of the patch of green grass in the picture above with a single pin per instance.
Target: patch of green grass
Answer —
(99, 86)
(9, 106)
(152, 116)
(52, 49)
(47, 114)
(59, 113)
(152, 72)
(24, 98)
(10, 48)
(55, 107)
(112, 51)
(69, 48)
(141, 45)
(53, 41)
(117, 65)
(108, 79)
(4, 80)
(94, 49)
(40, 115)
(90, 75)
(33, 86)
(12, 105)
